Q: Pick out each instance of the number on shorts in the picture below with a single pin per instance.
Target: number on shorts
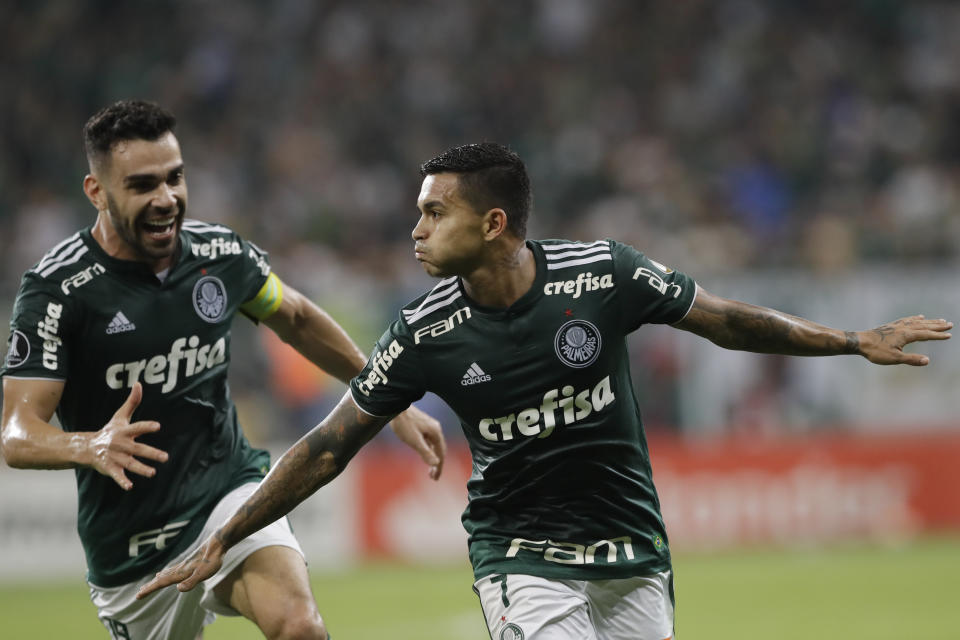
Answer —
(503, 588)
(118, 630)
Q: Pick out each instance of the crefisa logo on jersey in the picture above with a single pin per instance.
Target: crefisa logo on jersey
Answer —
(19, 349)
(577, 343)
(210, 298)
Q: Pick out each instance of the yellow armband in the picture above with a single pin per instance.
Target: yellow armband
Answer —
(267, 301)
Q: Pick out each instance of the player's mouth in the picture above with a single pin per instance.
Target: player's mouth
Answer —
(160, 228)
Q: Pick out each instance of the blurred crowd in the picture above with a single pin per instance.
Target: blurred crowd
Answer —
(716, 136)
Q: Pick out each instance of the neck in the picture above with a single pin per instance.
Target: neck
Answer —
(504, 278)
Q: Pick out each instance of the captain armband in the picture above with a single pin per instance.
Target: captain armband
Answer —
(267, 301)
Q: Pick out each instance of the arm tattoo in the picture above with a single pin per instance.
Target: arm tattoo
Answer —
(747, 327)
(313, 461)
(883, 331)
(852, 342)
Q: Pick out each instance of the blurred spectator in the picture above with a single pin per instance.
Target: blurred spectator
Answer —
(715, 136)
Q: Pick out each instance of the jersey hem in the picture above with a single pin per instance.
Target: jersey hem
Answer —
(574, 573)
(696, 290)
(373, 415)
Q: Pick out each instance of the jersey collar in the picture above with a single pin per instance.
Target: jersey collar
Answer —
(131, 266)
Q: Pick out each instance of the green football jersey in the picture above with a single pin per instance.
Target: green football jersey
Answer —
(561, 485)
(100, 324)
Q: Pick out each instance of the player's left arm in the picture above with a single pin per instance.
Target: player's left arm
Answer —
(315, 334)
(313, 461)
(746, 327)
(308, 329)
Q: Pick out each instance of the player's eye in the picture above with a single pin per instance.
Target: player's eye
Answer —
(141, 186)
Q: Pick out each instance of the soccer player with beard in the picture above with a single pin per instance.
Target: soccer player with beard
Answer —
(123, 331)
(526, 341)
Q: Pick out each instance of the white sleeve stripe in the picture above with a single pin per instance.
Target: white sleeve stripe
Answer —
(442, 303)
(52, 378)
(572, 245)
(438, 292)
(201, 227)
(572, 263)
(55, 254)
(552, 257)
(65, 261)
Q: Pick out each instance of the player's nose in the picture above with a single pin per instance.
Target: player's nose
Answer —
(165, 197)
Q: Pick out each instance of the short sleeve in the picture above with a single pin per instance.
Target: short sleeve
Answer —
(650, 292)
(256, 273)
(393, 377)
(38, 345)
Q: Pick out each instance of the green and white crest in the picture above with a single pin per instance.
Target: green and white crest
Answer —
(511, 632)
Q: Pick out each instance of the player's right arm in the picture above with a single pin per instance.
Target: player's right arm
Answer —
(313, 461)
(29, 441)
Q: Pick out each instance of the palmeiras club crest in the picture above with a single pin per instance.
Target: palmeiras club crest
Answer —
(210, 298)
(577, 343)
(511, 632)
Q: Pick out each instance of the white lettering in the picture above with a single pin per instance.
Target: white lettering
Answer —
(217, 247)
(572, 552)
(261, 263)
(657, 282)
(81, 278)
(154, 371)
(48, 330)
(380, 363)
(156, 537)
(611, 549)
(164, 369)
(584, 282)
(442, 326)
(541, 421)
(114, 381)
(528, 422)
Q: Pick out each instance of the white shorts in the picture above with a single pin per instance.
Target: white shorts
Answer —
(169, 613)
(522, 607)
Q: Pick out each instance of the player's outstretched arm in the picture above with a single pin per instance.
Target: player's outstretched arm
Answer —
(31, 442)
(746, 327)
(315, 334)
(313, 461)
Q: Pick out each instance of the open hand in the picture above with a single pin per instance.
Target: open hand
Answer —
(884, 345)
(203, 563)
(424, 435)
(114, 449)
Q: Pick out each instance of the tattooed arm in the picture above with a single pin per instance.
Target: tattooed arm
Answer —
(746, 327)
(313, 461)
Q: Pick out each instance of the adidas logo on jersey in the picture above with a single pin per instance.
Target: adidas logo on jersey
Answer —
(474, 375)
(119, 324)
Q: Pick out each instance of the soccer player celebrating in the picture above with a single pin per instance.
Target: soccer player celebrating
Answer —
(135, 313)
(525, 340)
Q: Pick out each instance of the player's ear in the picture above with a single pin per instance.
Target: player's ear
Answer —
(494, 223)
(94, 192)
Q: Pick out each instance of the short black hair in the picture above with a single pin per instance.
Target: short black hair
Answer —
(490, 176)
(124, 120)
